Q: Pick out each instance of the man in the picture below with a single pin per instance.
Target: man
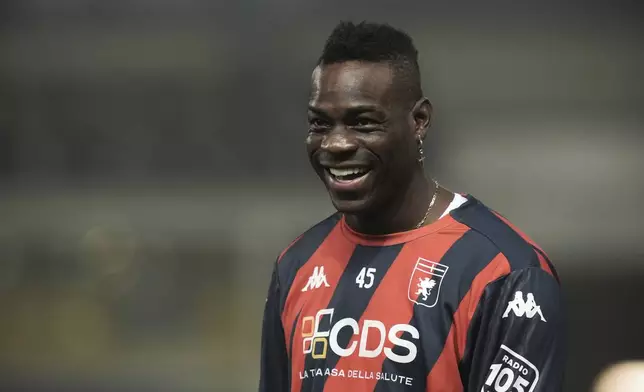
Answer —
(408, 287)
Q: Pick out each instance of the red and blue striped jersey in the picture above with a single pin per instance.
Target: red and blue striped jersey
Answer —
(467, 303)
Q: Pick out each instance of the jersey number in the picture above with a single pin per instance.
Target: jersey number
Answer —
(368, 274)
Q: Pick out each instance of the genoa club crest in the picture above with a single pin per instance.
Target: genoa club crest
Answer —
(425, 282)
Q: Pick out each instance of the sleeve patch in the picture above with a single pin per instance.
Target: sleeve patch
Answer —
(510, 372)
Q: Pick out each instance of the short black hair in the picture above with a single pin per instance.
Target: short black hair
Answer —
(375, 42)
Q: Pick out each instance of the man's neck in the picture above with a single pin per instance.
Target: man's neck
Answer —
(400, 214)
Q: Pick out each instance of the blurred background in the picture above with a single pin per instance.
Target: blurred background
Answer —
(152, 166)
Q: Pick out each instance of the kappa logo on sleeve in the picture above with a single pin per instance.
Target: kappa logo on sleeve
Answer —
(527, 308)
(511, 372)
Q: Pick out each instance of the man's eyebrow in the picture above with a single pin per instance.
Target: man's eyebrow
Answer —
(316, 110)
(351, 110)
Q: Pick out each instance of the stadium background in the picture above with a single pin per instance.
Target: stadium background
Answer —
(152, 166)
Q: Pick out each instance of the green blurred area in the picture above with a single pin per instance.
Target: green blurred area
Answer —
(138, 287)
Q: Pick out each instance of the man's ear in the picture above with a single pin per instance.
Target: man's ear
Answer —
(422, 114)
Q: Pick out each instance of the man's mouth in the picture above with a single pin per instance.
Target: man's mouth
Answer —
(348, 174)
(347, 179)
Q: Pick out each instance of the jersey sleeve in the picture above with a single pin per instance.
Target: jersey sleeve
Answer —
(516, 337)
(274, 373)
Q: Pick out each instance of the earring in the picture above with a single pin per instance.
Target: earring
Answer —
(421, 152)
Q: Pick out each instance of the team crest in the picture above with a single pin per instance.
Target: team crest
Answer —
(425, 282)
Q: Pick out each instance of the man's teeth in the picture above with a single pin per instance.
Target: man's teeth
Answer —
(347, 172)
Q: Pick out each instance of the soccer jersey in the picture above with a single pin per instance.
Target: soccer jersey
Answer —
(467, 303)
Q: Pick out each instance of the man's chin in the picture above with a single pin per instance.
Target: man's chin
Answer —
(351, 206)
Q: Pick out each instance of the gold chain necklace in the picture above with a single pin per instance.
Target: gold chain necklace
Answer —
(431, 204)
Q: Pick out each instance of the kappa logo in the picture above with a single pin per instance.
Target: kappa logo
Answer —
(316, 280)
(520, 308)
(425, 282)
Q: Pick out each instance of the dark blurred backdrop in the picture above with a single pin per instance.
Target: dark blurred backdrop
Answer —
(152, 166)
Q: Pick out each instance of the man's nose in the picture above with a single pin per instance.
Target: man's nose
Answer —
(339, 141)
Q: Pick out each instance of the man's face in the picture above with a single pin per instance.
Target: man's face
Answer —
(362, 136)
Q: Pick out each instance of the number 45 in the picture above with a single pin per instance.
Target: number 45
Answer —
(368, 273)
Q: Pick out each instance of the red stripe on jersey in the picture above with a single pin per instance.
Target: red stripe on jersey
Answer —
(445, 376)
(333, 254)
(498, 267)
(390, 305)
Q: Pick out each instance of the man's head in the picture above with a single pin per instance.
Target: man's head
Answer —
(367, 116)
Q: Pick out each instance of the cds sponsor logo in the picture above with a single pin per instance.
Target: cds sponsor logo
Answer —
(320, 334)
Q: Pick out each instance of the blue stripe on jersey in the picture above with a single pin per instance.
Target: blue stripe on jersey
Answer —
(300, 252)
(290, 346)
(517, 250)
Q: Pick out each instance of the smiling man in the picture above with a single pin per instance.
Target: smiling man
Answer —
(409, 286)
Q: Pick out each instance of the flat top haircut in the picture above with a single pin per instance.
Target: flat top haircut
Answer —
(377, 43)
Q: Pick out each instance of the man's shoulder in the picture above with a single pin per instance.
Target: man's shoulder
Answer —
(303, 246)
(492, 228)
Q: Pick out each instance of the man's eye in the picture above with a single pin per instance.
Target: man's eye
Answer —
(366, 123)
(317, 124)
